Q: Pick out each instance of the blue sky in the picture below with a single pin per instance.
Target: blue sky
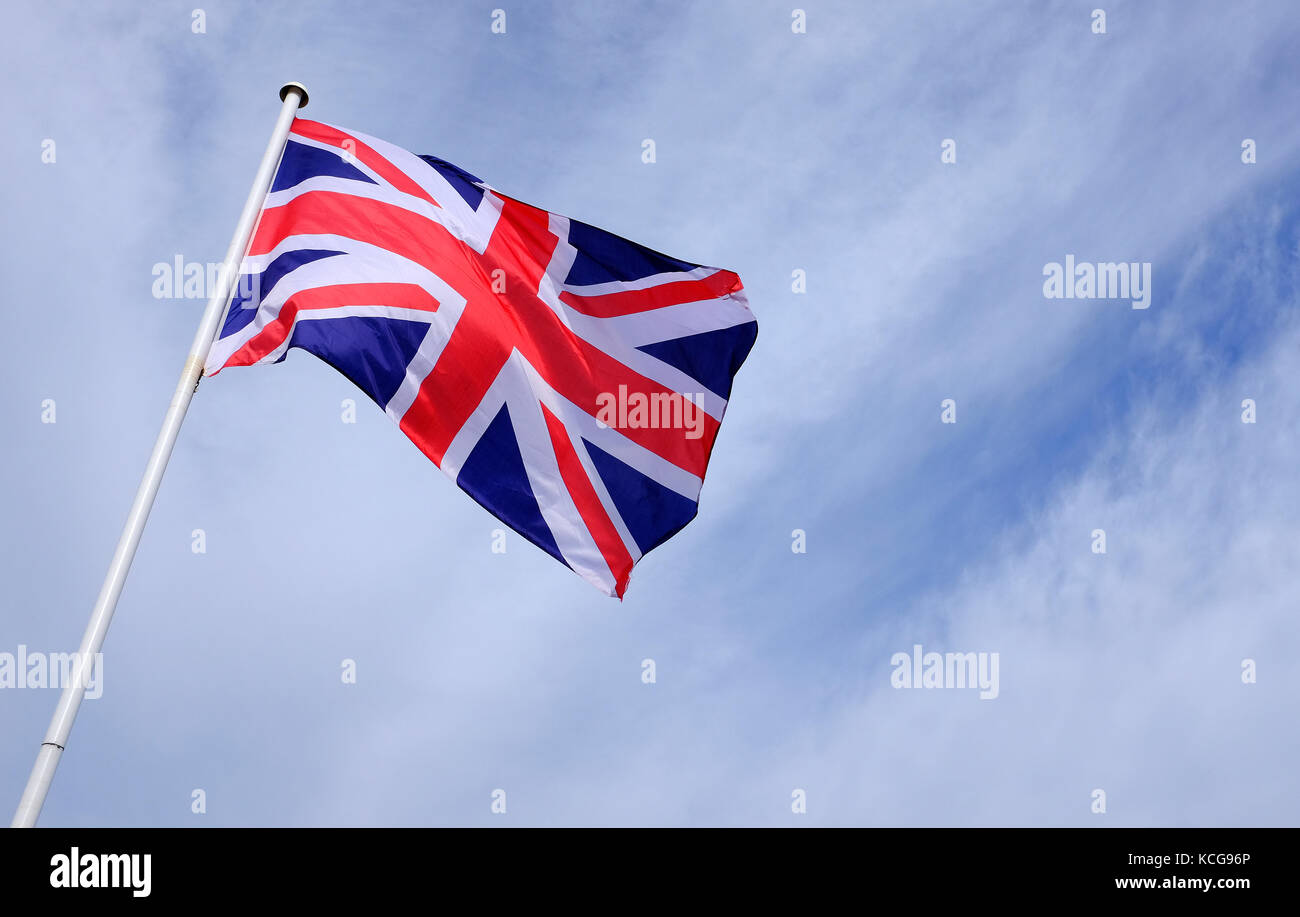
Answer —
(776, 151)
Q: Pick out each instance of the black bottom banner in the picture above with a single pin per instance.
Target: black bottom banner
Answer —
(1147, 866)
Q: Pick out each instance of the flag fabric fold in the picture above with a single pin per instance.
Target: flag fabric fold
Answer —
(570, 381)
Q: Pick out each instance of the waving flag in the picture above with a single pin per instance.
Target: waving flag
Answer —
(572, 382)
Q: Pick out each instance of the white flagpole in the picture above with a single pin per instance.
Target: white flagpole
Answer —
(293, 96)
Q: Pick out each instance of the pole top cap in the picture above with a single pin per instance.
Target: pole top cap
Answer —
(302, 93)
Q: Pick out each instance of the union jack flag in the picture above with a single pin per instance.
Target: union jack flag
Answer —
(570, 381)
